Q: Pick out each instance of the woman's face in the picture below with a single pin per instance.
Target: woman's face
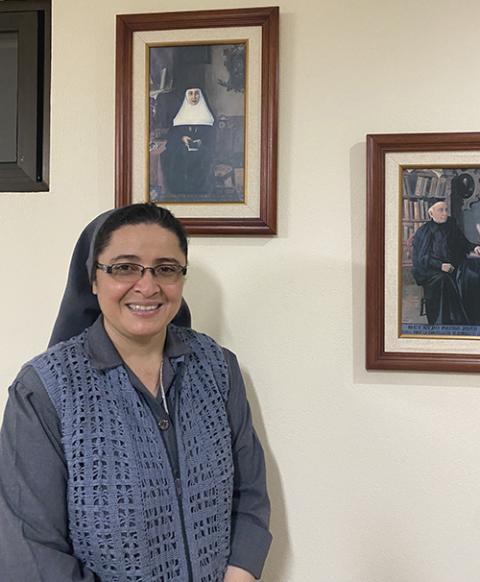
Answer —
(193, 96)
(139, 311)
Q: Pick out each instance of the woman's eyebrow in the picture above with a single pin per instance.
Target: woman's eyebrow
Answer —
(134, 258)
(167, 260)
(125, 258)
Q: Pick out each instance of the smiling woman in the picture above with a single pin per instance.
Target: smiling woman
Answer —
(142, 435)
(139, 302)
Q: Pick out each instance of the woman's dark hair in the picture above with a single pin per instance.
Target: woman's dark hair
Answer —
(148, 213)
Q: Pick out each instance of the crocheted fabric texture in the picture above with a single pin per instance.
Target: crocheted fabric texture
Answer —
(128, 519)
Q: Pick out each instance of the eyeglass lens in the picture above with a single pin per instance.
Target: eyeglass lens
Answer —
(132, 271)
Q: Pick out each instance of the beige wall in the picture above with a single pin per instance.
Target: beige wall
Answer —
(375, 477)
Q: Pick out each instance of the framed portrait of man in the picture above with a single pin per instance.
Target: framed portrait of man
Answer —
(423, 251)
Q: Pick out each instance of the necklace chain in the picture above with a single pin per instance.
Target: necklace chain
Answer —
(162, 389)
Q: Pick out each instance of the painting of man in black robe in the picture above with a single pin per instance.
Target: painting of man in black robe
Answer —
(441, 263)
(197, 123)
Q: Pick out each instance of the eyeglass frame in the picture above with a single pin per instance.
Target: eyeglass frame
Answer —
(180, 269)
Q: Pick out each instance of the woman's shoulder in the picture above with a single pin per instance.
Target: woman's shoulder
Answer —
(27, 382)
(59, 350)
(30, 381)
(190, 336)
(201, 344)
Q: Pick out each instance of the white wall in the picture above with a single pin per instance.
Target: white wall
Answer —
(375, 477)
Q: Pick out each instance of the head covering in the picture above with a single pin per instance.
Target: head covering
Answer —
(79, 307)
(198, 114)
(432, 201)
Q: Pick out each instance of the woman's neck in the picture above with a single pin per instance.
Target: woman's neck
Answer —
(144, 356)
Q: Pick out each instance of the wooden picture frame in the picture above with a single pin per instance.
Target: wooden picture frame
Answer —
(255, 174)
(413, 323)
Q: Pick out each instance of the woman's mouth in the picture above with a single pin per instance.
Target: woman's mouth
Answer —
(138, 308)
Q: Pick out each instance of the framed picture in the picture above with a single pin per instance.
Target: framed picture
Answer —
(423, 252)
(196, 117)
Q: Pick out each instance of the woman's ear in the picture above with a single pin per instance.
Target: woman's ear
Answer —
(94, 287)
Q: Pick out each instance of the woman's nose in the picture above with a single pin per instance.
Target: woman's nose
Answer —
(148, 283)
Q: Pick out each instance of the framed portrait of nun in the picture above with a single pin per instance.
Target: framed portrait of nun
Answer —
(196, 117)
(423, 252)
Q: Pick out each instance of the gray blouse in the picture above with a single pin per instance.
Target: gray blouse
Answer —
(34, 543)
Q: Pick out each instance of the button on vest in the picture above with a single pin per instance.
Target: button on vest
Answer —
(164, 424)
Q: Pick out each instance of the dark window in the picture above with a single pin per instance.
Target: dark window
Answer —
(25, 28)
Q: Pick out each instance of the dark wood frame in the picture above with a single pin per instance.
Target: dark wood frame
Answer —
(267, 18)
(377, 147)
(32, 21)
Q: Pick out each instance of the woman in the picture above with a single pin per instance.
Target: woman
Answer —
(79, 307)
(127, 451)
(187, 159)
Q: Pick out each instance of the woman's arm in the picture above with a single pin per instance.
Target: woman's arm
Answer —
(34, 544)
(250, 538)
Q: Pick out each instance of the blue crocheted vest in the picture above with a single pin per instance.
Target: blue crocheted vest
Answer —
(125, 512)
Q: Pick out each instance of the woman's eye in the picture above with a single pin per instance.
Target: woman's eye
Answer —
(166, 269)
(124, 268)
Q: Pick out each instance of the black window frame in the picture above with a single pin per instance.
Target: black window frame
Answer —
(31, 20)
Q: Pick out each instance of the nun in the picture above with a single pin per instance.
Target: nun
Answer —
(116, 470)
(187, 159)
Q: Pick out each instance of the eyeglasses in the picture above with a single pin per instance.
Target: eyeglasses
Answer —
(166, 273)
